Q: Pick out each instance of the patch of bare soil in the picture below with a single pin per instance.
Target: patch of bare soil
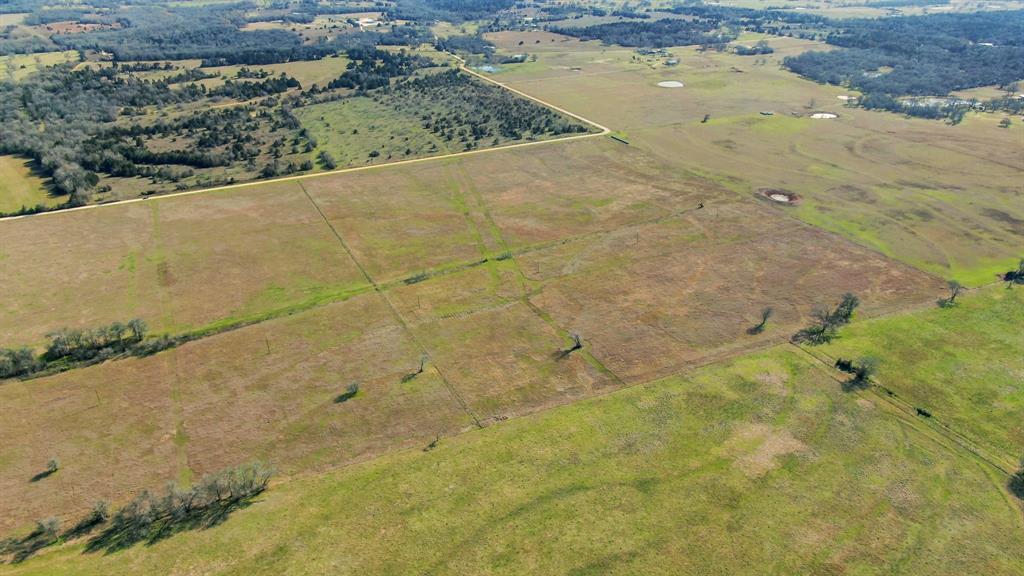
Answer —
(780, 196)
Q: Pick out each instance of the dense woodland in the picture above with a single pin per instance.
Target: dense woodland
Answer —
(921, 55)
(88, 115)
(370, 68)
(659, 33)
(447, 10)
(459, 108)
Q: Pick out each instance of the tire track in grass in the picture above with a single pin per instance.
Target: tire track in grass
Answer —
(934, 429)
(908, 413)
(184, 472)
(499, 237)
(394, 311)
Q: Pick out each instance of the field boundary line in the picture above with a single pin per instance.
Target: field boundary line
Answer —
(298, 177)
(394, 311)
(906, 408)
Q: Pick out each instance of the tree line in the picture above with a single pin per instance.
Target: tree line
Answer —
(149, 517)
(657, 34)
(70, 348)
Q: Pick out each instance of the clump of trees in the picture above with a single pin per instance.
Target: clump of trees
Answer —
(45, 533)
(827, 322)
(760, 47)
(69, 347)
(91, 343)
(246, 90)
(1015, 276)
(1016, 483)
(327, 160)
(861, 371)
(370, 68)
(17, 362)
(459, 108)
(150, 518)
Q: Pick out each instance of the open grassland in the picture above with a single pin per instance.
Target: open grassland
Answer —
(758, 466)
(352, 128)
(19, 187)
(482, 265)
(17, 66)
(307, 72)
(946, 199)
(964, 364)
(179, 263)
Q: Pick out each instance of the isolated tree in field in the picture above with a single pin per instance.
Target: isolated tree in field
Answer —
(577, 344)
(1015, 276)
(955, 288)
(52, 465)
(820, 331)
(826, 322)
(418, 371)
(766, 313)
(1016, 483)
(349, 393)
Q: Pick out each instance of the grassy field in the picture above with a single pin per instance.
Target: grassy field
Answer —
(759, 466)
(179, 263)
(962, 364)
(673, 442)
(17, 66)
(481, 273)
(307, 72)
(350, 129)
(20, 187)
(942, 198)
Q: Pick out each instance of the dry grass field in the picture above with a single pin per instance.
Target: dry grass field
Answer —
(485, 264)
(946, 199)
(178, 263)
(450, 291)
(759, 465)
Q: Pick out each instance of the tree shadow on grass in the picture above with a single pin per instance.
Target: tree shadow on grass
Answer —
(1016, 484)
(127, 530)
(42, 475)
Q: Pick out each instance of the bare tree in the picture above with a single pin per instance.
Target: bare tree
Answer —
(955, 288)
(766, 313)
(577, 344)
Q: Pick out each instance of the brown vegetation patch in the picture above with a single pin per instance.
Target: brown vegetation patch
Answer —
(757, 448)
